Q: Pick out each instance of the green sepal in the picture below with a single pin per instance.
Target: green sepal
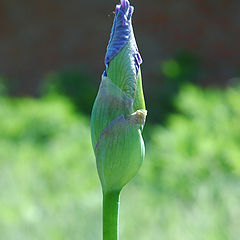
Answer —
(120, 151)
(110, 103)
(122, 70)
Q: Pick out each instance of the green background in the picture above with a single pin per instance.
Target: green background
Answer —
(187, 188)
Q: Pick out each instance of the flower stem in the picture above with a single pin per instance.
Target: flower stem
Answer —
(111, 204)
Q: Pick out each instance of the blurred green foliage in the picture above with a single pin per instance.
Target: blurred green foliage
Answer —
(203, 139)
(192, 170)
(77, 84)
(184, 67)
(48, 180)
(74, 83)
(188, 187)
(4, 88)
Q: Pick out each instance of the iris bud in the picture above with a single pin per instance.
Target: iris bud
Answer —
(118, 114)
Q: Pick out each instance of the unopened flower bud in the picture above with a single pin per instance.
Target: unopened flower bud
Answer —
(119, 114)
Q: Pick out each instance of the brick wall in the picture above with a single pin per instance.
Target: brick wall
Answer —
(46, 35)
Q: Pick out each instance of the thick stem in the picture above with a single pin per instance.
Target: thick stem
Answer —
(111, 204)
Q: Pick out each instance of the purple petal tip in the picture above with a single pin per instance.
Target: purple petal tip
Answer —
(117, 8)
(120, 35)
(124, 4)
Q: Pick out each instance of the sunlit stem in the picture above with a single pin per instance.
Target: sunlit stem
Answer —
(111, 204)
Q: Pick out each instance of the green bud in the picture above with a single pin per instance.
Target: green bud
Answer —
(119, 114)
(116, 135)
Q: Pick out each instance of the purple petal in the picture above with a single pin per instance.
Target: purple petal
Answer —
(125, 4)
(117, 8)
(122, 32)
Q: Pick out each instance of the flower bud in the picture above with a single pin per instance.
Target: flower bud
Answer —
(118, 114)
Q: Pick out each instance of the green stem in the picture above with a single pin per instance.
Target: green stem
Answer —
(111, 204)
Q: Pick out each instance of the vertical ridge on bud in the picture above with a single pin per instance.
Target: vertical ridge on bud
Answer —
(138, 101)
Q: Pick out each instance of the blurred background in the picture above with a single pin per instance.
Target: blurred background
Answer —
(51, 61)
